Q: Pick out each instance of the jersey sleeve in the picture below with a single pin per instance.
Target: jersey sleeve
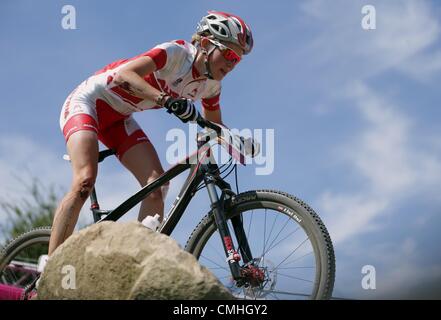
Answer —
(164, 55)
(158, 55)
(211, 99)
(168, 56)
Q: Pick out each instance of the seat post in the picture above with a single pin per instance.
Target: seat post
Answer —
(94, 205)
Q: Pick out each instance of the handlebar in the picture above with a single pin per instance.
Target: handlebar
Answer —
(201, 121)
(232, 140)
(204, 123)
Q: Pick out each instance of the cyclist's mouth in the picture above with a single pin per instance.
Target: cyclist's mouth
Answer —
(223, 72)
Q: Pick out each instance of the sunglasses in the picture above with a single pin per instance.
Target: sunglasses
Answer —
(229, 54)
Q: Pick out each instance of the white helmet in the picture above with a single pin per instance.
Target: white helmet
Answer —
(227, 27)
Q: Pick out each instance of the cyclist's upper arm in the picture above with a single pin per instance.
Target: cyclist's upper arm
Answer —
(148, 62)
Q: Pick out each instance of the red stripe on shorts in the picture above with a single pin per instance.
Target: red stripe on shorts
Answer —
(79, 122)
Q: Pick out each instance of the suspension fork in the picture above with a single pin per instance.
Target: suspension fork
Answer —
(237, 222)
(217, 207)
(242, 239)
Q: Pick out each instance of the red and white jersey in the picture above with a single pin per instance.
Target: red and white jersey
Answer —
(175, 75)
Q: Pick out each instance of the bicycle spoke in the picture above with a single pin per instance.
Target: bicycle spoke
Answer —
(298, 258)
(249, 226)
(272, 227)
(285, 293)
(214, 263)
(224, 277)
(292, 277)
(271, 293)
(264, 239)
(295, 268)
(282, 240)
(291, 253)
(216, 251)
(280, 232)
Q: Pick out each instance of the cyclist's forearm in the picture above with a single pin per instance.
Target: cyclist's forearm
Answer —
(136, 85)
(213, 116)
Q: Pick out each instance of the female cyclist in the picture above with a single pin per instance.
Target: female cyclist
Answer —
(101, 108)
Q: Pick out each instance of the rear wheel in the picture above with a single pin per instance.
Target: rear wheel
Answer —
(293, 256)
(19, 260)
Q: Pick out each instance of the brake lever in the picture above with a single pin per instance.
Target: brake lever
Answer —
(204, 123)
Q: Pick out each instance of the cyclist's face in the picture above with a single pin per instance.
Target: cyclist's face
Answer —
(224, 58)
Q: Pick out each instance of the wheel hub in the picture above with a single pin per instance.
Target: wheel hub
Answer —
(259, 278)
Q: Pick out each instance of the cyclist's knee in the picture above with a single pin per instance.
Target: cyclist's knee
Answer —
(83, 185)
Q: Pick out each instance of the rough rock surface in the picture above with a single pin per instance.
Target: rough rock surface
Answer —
(112, 260)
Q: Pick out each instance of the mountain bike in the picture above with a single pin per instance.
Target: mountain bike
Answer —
(260, 244)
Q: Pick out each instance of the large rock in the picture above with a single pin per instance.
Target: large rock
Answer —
(112, 260)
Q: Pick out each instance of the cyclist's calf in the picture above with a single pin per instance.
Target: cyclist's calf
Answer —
(161, 193)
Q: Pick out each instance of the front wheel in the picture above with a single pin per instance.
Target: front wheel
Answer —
(292, 250)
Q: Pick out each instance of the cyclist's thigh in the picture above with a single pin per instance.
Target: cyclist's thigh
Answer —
(120, 135)
(133, 149)
(143, 161)
(82, 147)
(78, 113)
(79, 124)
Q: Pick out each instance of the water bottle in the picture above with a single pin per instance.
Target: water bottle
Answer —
(152, 222)
(42, 261)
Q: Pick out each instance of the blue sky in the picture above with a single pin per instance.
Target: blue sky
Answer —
(355, 114)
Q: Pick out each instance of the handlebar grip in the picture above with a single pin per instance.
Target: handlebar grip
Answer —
(176, 108)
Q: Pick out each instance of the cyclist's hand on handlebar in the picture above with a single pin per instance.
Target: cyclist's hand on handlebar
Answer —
(250, 147)
(183, 108)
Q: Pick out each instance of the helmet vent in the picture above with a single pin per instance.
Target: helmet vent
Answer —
(238, 25)
(224, 30)
(219, 29)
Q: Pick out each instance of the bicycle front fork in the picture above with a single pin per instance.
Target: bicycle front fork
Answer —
(232, 256)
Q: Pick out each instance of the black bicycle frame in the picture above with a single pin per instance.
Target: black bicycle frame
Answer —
(203, 168)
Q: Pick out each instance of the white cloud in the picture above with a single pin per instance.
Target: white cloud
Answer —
(350, 214)
(424, 67)
(391, 166)
(21, 157)
(405, 32)
(409, 246)
(380, 152)
(383, 153)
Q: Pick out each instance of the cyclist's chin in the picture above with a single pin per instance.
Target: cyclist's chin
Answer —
(219, 74)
